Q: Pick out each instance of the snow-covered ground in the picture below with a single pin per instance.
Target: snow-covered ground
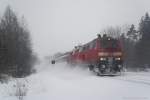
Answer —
(62, 82)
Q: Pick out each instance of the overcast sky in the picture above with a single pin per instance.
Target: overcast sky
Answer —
(59, 25)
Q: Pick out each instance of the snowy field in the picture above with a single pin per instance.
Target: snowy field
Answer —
(61, 82)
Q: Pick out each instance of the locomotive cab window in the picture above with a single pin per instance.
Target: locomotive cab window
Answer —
(92, 45)
(109, 43)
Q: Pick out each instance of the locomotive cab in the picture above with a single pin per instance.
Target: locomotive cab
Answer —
(110, 57)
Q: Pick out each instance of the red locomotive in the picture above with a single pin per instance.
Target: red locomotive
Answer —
(102, 55)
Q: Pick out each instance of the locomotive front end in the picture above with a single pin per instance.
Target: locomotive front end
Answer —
(110, 57)
(110, 63)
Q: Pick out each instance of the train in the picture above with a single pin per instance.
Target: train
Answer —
(103, 56)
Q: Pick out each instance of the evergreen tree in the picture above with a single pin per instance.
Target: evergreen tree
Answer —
(15, 45)
(128, 49)
(143, 46)
(132, 34)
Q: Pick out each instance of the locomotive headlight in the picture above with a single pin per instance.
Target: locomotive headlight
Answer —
(117, 54)
(118, 58)
(102, 59)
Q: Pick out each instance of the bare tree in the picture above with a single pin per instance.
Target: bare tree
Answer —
(112, 31)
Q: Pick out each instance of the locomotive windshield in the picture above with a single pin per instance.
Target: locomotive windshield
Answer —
(109, 43)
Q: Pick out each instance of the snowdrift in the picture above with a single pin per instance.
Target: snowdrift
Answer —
(64, 82)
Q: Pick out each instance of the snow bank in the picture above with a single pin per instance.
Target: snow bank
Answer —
(63, 82)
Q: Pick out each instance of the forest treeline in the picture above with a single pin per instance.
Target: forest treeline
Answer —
(135, 41)
(16, 55)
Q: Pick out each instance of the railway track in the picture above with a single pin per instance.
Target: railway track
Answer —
(136, 78)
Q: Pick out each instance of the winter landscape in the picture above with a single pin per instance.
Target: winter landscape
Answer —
(74, 50)
(61, 82)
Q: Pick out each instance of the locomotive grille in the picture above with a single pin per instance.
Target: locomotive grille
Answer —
(110, 61)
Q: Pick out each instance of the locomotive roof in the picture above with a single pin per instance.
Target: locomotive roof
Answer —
(101, 38)
(111, 38)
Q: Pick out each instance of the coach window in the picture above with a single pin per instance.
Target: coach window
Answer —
(77, 50)
(80, 49)
(86, 47)
(92, 45)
